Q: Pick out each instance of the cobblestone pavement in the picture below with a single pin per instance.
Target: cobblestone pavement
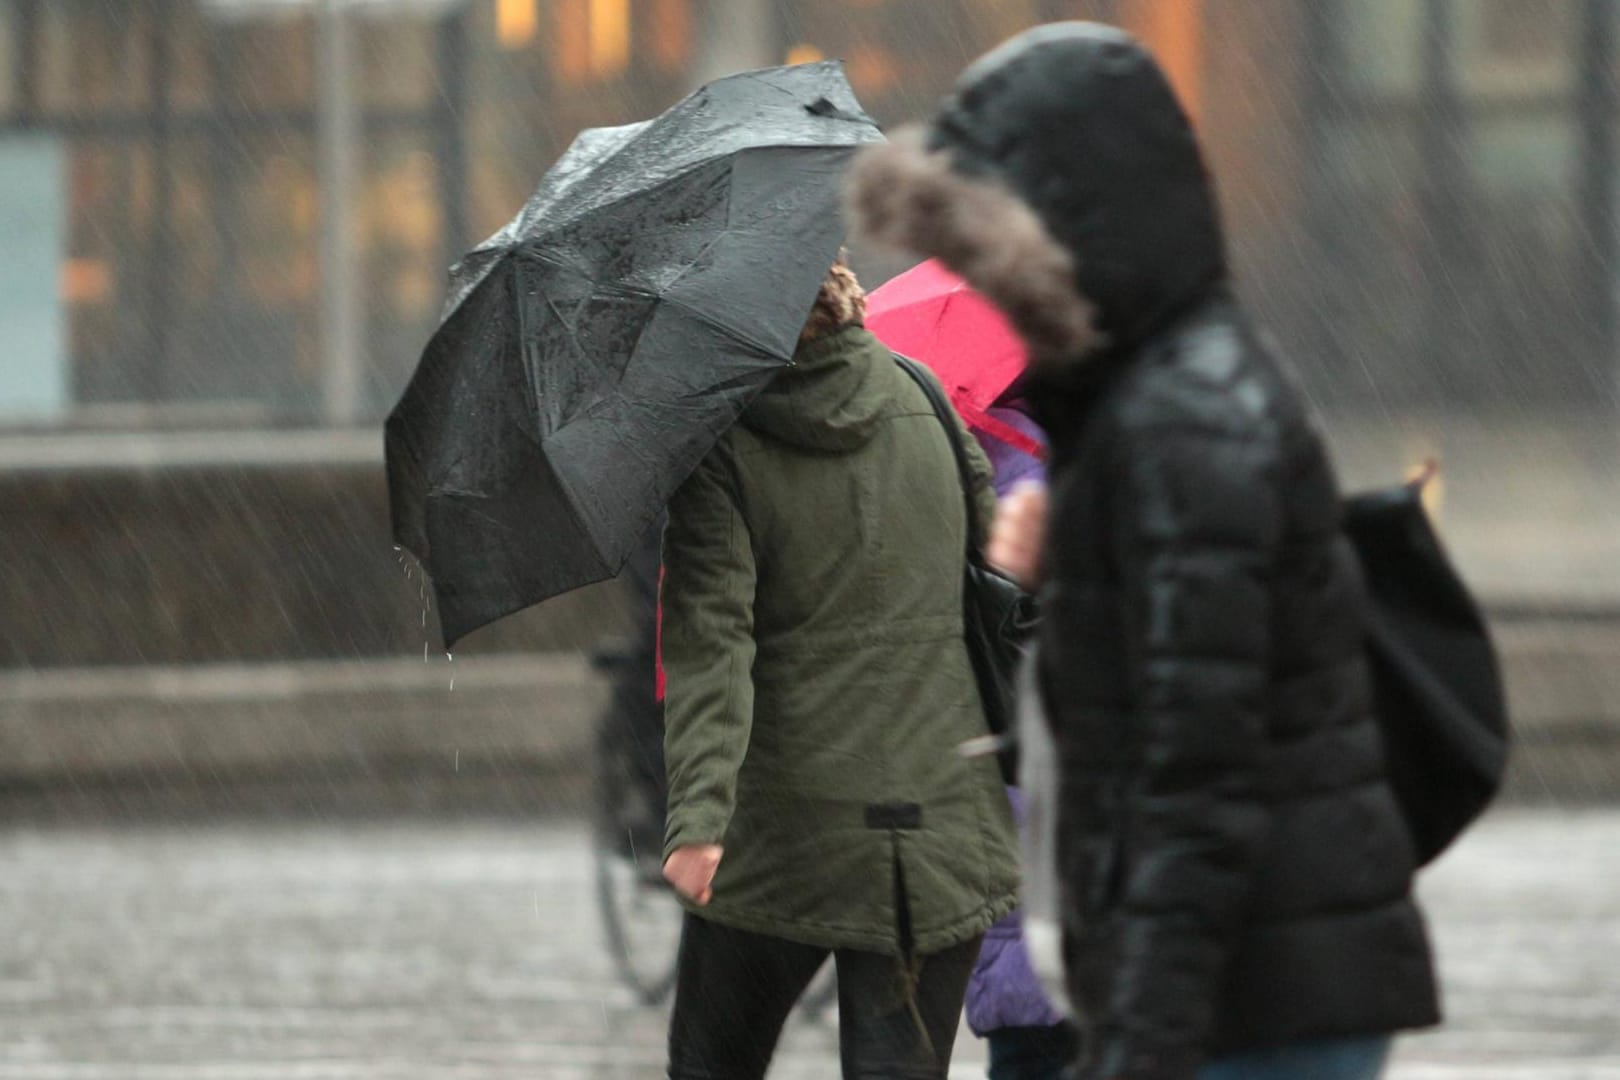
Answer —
(471, 951)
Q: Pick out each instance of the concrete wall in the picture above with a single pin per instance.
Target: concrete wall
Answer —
(228, 627)
(514, 733)
(190, 556)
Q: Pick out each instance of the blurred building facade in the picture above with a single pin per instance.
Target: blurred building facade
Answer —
(1404, 178)
(1419, 195)
(226, 225)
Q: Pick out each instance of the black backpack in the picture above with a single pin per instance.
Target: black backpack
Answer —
(1437, 687)
(998, 617)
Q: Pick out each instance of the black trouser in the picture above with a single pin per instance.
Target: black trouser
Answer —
(734, 990)
(1032, 1053)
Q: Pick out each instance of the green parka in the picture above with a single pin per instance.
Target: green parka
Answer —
(817, 681)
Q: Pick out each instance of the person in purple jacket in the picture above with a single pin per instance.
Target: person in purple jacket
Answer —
(1028, 1036)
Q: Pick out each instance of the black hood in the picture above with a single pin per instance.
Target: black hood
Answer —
(1079, 123)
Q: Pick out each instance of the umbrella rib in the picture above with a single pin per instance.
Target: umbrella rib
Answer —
(569, 217)
(759, 77)
(730, 333)
(617, 289)
(939, 323)
(579, 213)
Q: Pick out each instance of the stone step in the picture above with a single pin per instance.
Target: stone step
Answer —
(495, 732)
(514, 731)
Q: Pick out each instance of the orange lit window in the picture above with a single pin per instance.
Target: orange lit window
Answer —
(872, 70)
(610, 37)
(573, 50)
(671, 34)
(804, 53)
(516, 22)
(1174, 31)
(86, 281)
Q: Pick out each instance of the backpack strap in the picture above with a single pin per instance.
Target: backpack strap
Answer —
(946, 416)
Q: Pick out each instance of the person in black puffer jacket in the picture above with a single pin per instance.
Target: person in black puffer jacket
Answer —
(1236, 875)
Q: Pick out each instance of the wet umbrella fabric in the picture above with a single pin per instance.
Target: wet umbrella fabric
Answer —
(594, 349)
(931, 315)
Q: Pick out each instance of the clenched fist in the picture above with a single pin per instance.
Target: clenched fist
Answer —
(691, 870)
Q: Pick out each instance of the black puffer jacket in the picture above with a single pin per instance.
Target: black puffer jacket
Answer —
(1237, 873)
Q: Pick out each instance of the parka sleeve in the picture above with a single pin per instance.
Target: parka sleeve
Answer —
(1194, 531)
(708, 652)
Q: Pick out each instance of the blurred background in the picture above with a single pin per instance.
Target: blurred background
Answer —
(226, 227)
(224, 231)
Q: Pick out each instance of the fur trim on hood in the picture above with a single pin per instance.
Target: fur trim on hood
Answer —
(902, 195)
(840, 302)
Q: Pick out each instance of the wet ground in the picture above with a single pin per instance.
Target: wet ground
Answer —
(471, 951)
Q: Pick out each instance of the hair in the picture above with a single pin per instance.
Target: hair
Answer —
(902, 195)
(840, 302)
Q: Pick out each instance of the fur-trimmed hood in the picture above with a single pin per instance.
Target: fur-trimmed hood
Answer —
(1062, 180)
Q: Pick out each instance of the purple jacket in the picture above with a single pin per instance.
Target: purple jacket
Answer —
(1010, 464)
(1004, 990)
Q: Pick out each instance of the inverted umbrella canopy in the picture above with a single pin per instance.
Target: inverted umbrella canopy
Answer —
(595, 348)
(933, 316)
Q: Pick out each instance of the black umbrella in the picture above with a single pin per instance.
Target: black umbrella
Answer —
(595, 348)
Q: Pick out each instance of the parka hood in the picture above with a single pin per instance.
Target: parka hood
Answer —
(1062, 179)
(831, 397)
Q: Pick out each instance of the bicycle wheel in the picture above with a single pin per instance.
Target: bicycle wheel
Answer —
(641, 918)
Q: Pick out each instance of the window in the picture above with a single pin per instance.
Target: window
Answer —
(902, 55)
(1435, 245)
(1518, 46)
(1381, 48)
(396, 63)
(10, 70)
(95, 57)
(107, 287)
(400, 235)
(272, 63)
(181, 135)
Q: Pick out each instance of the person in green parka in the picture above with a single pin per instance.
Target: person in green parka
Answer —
(818, 686)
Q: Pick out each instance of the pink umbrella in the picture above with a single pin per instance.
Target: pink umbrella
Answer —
(934, 317)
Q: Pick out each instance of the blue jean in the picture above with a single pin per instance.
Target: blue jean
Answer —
(1339, 1059)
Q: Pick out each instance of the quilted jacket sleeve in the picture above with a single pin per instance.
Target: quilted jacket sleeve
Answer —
(1194, 529)
(708, 649)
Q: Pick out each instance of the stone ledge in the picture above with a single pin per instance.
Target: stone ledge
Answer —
(515, 732)
(225, 719)
(1561, 671)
